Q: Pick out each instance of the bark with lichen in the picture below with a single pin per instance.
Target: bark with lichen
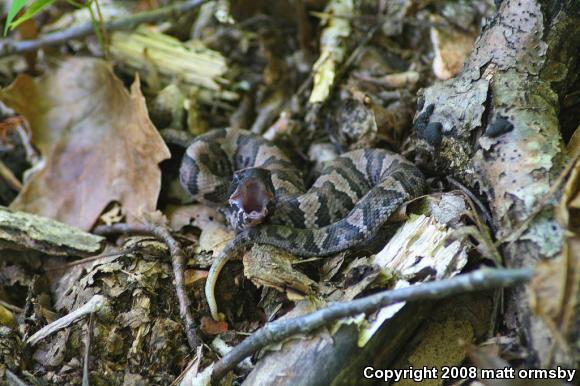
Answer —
(496, 127)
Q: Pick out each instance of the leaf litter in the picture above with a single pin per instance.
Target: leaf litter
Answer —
(101, 151)
(98, 143)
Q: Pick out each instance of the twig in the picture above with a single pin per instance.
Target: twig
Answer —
(484, 245)
(11, 47)
(98, 28)
(177, 258)
(11, 307)
(315, 108)
(89, 259)
(25, 135)
(473, 198)
(342, 70)
(95, 304)
(13, 379)
(191, 371)
(7, 175)
(327, 16)
(482, 279)
(87, 351)
(355, 54)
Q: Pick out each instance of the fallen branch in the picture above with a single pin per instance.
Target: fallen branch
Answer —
(29, 232)
(12, 47)
(177, 258)
(482, 279)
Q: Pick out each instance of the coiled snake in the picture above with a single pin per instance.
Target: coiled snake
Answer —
(267, 202)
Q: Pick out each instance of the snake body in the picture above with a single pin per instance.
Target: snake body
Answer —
(354, 195)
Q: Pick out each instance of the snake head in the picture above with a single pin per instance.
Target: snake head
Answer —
(251, 197)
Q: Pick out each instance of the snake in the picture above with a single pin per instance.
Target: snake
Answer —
(263, 196)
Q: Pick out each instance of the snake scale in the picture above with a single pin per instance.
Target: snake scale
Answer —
(267, 203)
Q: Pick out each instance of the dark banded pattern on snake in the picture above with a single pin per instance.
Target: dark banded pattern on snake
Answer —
(346, 205)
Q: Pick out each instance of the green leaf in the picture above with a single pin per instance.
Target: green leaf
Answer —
(15, 7)
(36, 7)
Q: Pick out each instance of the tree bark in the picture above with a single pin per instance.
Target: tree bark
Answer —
(496, 127)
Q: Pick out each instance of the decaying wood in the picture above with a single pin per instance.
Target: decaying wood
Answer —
(312, 371)
(337, 359)
(24, 231)
(451, 326)
(495, 127)
(271, 267)
(162, 58)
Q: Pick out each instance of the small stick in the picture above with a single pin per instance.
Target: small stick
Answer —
(95, 304)
(473, 198)
(12, 47)
(87, 351)
(277, 331)
(9, 177)
(13, 379)
(355, 53)
(11, 307)
(177, 258)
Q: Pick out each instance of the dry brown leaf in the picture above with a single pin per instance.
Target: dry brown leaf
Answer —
(211, 327)
(98, 142)
(451, 47)
(570, 205)
(574, 143)
(488, 358)
(555, 288)
(190, 276)
(548, 286)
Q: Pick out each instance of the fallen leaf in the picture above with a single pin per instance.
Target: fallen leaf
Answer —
(190, 276)
(574, 143)
(488, 358)
(7, 317)
(555, 288)
(98, 142)
(294, 296)
(451, 46)
(211, 327)
(198, 215)
(547, 288)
